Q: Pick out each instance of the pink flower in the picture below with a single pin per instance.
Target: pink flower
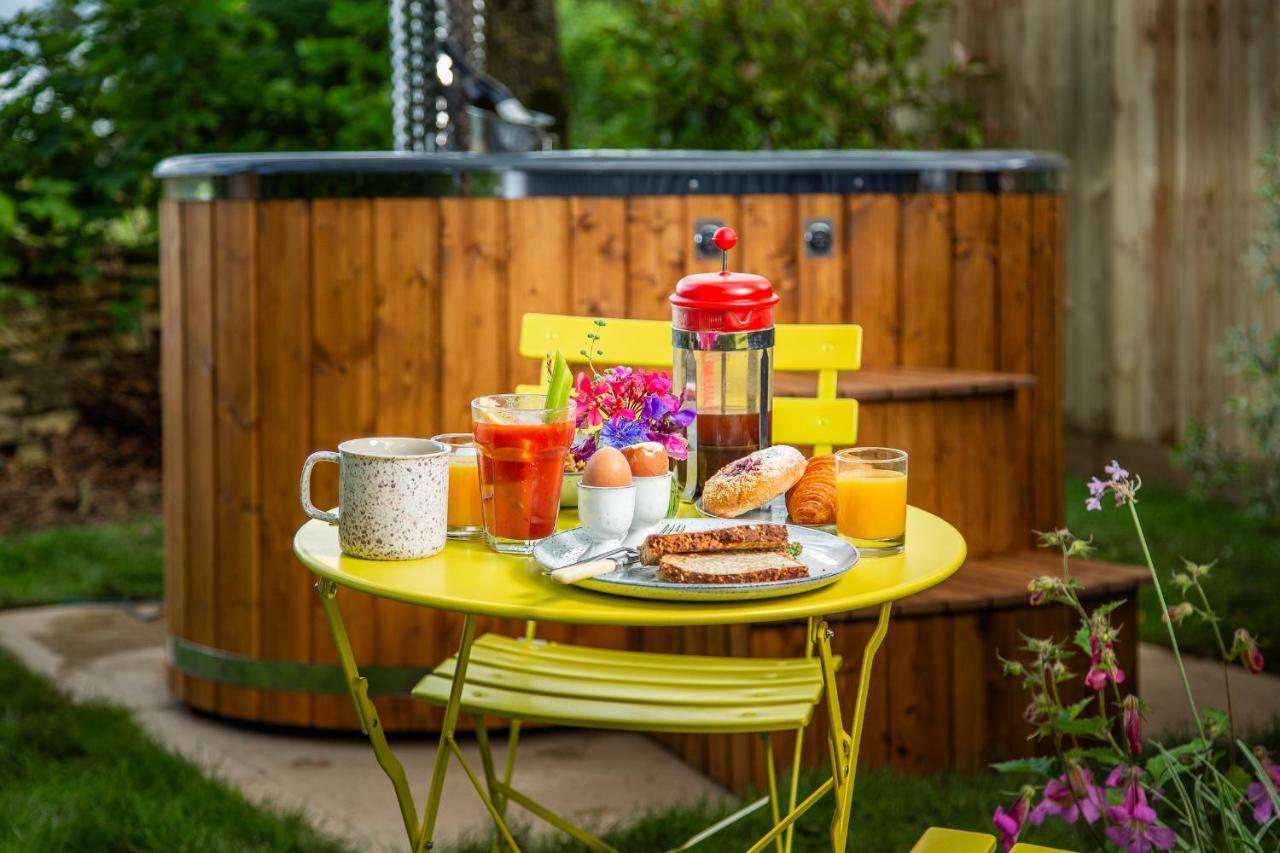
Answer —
(1131, 722)
(1070, 795)
(1009, 823)
(1179, 611)
(1246, 645)
(1259, 797)
(1104, 668)
(1134, 822)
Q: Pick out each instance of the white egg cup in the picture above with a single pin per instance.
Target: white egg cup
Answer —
(606, 512)
(653, 499)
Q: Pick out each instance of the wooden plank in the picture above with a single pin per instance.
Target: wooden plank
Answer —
(914, 428)
(200, 603)
(406, 288)
(236, 519)
(283, 272)
(920, 689)
(955, 426)
(657, 251)
(1014, 270)
(770, 243)
(926, 280)
(873, 425)
(473, 284)
(1046, 352)
(173, 432)
(598, 261)
(874, 225)
(537, 271)
(973, 331)
(970, 660)
(344, 397)
(821, 281)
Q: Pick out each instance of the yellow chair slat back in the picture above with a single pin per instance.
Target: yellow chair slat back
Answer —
(825, 349)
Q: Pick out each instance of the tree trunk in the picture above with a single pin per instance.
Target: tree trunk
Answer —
(523, 51)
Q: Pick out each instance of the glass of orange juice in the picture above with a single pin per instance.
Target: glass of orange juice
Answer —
(871, 499)
(465, 520)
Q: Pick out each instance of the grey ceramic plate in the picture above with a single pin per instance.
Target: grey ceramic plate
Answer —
(774, 511)
(828, 557)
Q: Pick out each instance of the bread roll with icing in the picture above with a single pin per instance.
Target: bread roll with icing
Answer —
(752, 481)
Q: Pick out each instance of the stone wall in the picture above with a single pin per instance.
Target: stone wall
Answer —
(79, 353)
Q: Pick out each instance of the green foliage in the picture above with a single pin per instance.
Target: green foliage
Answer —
(98, 92)
(760, 74)
(84, 777)
(1253, 355)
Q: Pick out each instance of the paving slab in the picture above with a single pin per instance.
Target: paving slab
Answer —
(115, 654)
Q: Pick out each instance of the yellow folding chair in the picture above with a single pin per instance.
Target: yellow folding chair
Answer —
(529, 679)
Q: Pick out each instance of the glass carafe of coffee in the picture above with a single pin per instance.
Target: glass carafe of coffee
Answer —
(722, 337)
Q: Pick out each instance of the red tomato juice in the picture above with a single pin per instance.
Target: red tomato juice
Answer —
(521, 471)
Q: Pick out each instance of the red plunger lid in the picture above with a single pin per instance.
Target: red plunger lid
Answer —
(724, 301)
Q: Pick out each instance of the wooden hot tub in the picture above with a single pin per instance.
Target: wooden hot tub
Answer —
(309, 298)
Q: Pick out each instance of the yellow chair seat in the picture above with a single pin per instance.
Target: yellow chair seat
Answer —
(546, 682)
(1023, 847)
(939, 840)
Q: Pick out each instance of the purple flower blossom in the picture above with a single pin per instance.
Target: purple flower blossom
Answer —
(1070, 795)
(620, 432)
(1092, 504)
(1097, 487)
(1116, 472)
(1009, 823)
(1259, 797)
(1134, 822)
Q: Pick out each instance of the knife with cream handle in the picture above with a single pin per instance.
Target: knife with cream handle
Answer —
(582, 571)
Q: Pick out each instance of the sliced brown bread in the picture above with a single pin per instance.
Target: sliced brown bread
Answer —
(740, 567)
(742, 537)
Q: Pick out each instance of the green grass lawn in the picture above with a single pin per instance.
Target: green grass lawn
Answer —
(97, 561)
(1244, 586)
(85, 777)
(890, 811)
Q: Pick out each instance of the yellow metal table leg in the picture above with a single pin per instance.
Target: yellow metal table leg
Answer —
(425, 832)
(844, 745)
(358, 687)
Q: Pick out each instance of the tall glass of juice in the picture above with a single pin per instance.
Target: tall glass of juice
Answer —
(465, 521)
(521, 446)
(871, 499)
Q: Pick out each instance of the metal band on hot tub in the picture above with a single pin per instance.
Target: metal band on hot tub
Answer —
(204, 177)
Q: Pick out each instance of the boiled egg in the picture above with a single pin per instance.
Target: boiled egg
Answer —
(607, 468)
(647, 459)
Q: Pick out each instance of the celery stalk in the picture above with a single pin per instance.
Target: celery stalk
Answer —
(560, 384)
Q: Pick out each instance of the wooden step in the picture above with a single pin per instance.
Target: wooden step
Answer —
(873, 384)
(1000, 581)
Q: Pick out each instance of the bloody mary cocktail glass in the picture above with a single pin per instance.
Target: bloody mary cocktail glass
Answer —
(521, 447)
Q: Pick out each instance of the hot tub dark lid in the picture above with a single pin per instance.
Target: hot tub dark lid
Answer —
(604, 173)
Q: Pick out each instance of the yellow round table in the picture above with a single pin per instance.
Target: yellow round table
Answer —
(468, 578)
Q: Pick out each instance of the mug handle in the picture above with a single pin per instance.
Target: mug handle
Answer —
(304, 487)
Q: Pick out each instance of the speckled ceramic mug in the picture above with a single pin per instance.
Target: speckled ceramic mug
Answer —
(392, 496)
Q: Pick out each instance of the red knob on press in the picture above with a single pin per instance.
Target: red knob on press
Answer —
(722, 337)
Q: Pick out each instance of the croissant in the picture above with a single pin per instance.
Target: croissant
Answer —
(813, 499)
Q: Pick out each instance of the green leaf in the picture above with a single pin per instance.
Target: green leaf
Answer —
(1082, 638)
(1073, 711)
(1108, 608)
(1040, 766)
(1103, 755)
(1088, 726)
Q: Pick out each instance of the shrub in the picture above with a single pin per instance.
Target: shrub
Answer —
(760, 74)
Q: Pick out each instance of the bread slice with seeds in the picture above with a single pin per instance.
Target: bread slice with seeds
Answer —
(741, 537)
(725, 568)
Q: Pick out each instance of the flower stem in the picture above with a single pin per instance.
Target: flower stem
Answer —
(1164, 608)
(1226, 676)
